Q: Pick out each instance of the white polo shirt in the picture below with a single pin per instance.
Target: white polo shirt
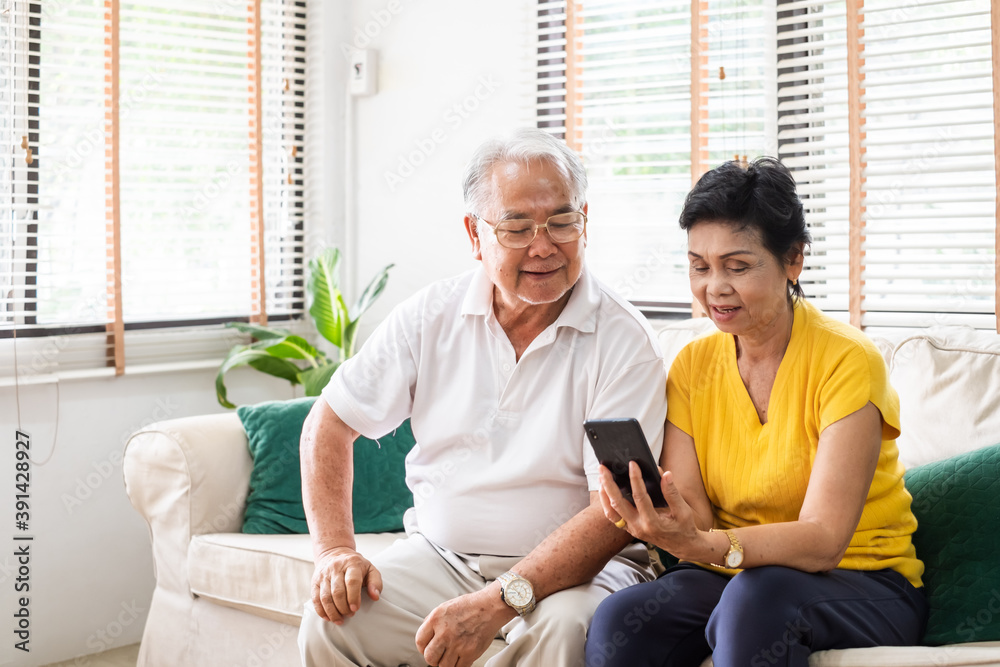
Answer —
(501, 458)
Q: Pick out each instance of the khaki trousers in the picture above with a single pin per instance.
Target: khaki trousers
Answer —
(418, 576)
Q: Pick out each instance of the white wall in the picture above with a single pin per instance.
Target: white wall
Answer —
(91, 569)
(91, 572)
(451, 74)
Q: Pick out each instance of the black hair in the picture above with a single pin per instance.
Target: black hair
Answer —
(760, 196)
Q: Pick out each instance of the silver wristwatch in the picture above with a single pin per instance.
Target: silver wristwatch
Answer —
(517, 592)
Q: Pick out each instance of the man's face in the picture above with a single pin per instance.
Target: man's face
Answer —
(543, 272)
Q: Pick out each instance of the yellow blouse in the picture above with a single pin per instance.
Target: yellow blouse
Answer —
(757, 474)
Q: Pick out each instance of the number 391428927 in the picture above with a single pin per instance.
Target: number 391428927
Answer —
(22, 481)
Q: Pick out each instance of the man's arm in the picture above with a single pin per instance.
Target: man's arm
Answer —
(572, 555)
(327, 453)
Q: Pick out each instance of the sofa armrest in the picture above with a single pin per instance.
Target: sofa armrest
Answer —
(187, 477)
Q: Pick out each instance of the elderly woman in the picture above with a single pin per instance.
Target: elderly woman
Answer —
(786, 499)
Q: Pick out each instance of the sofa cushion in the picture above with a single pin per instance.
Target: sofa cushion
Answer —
(275, 501)
(265, 575)
(964, 655)
(948, 380)
(673, 335)
(957, 504)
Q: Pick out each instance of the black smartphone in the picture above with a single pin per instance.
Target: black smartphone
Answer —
(618, 441)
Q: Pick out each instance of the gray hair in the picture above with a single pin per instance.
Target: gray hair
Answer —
(523, 146)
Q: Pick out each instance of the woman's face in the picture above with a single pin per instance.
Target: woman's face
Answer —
(739, 283)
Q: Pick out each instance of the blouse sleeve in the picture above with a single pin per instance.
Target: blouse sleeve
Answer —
(858, 376)
(679, 392)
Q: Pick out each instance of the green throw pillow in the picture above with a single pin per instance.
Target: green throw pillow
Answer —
(275, 501)
(957, 504)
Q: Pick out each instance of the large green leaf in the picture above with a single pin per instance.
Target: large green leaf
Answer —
(290, 347)
(245, 355)
(328, 308)
(368, 297)
(371, 293)
(350, 333)
(273, 348)
(257, 331)
(314, 379)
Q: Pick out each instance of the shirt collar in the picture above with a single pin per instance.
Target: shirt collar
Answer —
(579, 313)
(581, 309)
(479, 297)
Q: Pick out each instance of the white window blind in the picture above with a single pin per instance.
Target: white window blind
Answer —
(813, 138)
(283, 57)
(924, 157)
(615, 79)
(192, 189)
(737, 73)
(53, 175)
(185, 162)
(930, 186)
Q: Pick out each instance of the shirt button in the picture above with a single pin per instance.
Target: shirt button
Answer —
(506, 368)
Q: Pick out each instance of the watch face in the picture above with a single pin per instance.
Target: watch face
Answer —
(518, 593)
(734, 558)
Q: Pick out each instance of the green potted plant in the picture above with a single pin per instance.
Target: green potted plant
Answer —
(282, 354)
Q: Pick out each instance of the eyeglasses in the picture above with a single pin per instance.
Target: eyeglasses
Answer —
(561, 228)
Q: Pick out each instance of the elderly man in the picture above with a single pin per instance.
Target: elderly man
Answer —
(497, 369)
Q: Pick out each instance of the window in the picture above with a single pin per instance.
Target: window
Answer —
(152, 178)
(886, 118)
(883, 109)
(649, 109)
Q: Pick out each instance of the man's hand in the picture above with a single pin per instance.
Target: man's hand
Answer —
(457, 632)
(340, 575)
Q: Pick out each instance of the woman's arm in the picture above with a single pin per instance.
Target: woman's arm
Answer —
(680, 457)
(846, 458)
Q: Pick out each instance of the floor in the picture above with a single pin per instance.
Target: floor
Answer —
(126, 656)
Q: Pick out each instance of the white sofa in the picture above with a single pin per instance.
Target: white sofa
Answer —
(224, 598)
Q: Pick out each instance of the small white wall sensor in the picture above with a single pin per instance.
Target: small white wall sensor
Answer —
(363, 70)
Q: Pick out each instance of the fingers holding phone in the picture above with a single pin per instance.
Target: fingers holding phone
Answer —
(641, 497)
(671, 528)
(641, 518)
(610, 496)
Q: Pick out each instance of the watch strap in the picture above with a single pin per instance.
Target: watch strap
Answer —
(734, 545)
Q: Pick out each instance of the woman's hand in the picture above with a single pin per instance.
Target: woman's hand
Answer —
(671, 528)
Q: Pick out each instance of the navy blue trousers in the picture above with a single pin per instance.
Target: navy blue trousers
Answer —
(761, 617)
